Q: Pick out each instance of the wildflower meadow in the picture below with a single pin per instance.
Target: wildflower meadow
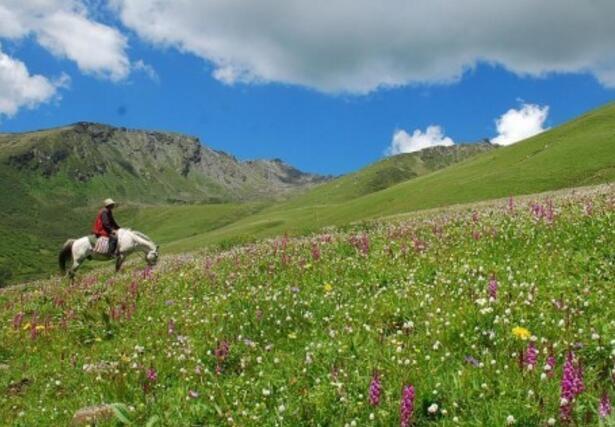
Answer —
(500, 313)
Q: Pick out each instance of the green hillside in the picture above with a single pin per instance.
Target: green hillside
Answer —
(388, 172)
(56, 178)
(580, 152)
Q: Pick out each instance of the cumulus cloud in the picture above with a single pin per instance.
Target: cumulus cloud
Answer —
(519, 124)
(403, 142)
(65, 29)
(360, 45)
(19, 88)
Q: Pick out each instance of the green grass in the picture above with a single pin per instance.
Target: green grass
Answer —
(171, 223)
(580, 152)
(309, 321)
(388, 172)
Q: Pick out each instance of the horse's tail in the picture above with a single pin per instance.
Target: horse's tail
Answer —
(65, 254)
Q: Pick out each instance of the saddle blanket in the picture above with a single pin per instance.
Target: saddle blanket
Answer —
(102, 246)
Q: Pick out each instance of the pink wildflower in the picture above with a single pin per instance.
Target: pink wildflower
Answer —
(604, 409)
(315, 251)
(571, 386)
(152, 375)
(530, 356)
(406, 407)
(375, 390)
(492, 288)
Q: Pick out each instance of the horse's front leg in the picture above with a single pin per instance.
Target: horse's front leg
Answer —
(119, 261)
(73, 268)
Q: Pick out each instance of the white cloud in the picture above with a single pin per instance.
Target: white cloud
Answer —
(516, 125)
(96, 48)
(19, 88)
(64, 28)
(360, 45)
(147, 69)
(403, 142)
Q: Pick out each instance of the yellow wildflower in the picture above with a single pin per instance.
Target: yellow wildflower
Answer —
(40, 327)
(521, 332)
(328, 287)
(26, 326)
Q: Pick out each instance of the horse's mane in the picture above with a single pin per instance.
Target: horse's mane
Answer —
(141, 235)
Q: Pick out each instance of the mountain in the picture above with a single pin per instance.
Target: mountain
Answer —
(577, 153)
(89, 161)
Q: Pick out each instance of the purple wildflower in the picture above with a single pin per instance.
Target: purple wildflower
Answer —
(492, 288)
(511, 205)
(550, 212)
(152, 375)
(604, 409)
(571, 386)
(17, 320)
(589, 208)
(551, 364)
(361, 243)
(375, 390)
(472, 361)
(530, 356)
(406, 407)
(538, 211)
(419, 245)
(315, 251)
(221, 352)
(147, 273)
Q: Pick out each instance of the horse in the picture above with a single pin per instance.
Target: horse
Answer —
(128, 241)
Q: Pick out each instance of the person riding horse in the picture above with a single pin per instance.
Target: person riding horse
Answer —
(106, 226)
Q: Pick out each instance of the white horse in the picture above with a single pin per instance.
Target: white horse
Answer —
(128, 241)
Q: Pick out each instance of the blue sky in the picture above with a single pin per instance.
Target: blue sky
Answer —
(314, 125)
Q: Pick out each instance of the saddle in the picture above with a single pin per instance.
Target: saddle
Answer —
(101, 245)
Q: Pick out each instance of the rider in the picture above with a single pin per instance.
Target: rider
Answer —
(105, 225)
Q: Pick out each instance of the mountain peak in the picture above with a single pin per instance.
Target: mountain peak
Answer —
(151, 166)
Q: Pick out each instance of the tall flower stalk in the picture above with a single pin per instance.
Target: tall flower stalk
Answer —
(572, 385)
(406, 407)
(375, 390)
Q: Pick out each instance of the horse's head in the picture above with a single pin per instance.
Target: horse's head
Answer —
(152, 256)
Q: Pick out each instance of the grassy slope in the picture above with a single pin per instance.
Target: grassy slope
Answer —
(170, 223)
(388, 172)
(580, 152)
(306, 332)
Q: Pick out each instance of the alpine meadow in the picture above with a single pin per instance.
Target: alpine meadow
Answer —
(263, 213)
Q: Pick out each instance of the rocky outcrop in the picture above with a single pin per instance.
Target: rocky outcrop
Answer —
(163, 165)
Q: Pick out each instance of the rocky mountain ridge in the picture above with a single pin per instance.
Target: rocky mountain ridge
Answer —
(176, 166)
